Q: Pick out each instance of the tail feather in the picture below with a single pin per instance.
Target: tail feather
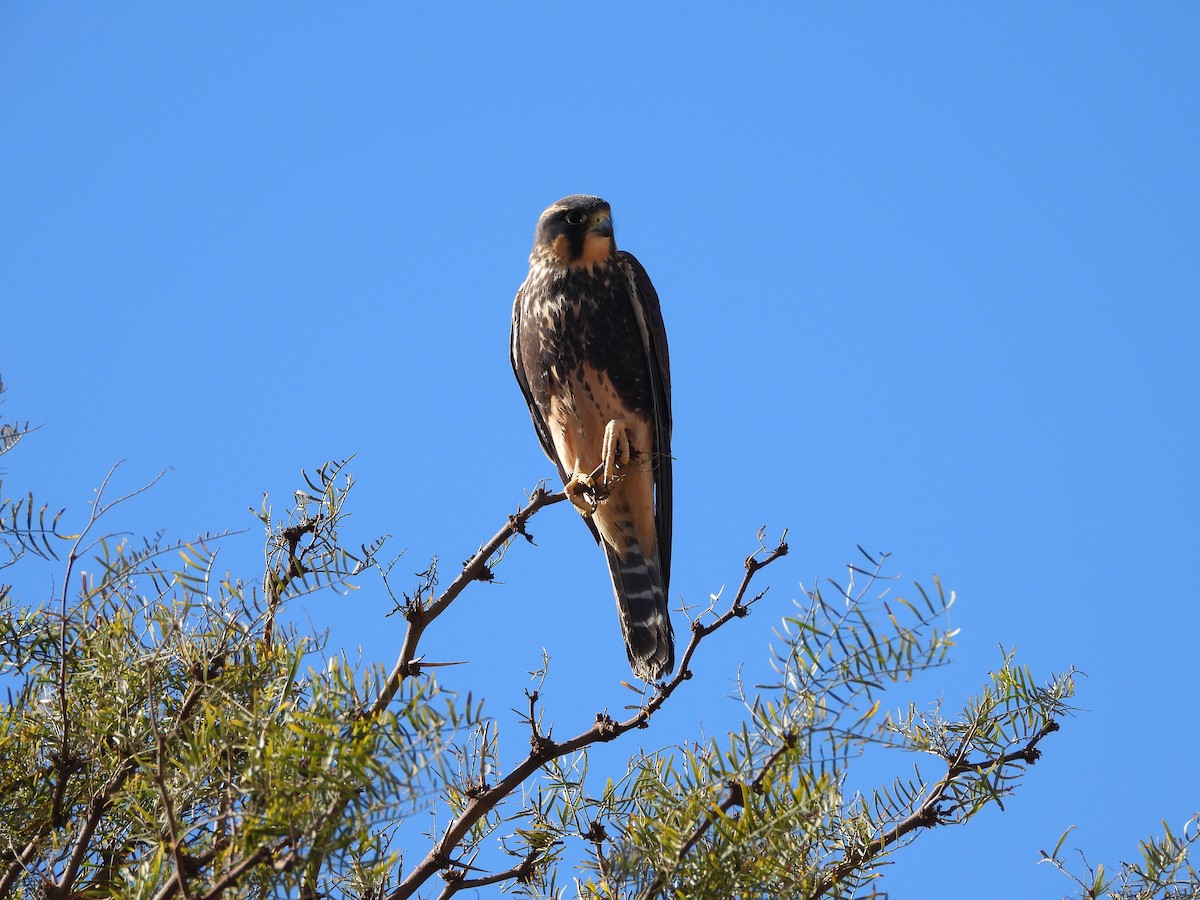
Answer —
(642, 607)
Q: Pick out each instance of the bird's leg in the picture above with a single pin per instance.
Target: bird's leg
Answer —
(581, 491)
(617, 452)
(587, 489)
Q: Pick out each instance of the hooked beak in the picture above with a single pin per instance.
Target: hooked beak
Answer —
(602, 225)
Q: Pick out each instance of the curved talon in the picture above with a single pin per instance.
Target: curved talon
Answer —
(587, 490)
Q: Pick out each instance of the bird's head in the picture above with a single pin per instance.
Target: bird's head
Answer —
(577, 231)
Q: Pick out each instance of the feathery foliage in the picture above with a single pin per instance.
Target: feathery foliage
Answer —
(1164, 872)
(168, 734)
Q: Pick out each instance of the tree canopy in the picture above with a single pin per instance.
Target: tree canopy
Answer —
(170, 731)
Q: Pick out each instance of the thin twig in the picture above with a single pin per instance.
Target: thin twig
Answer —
(17, 866)
(929, 813)
(160, 780)
(102, 802)
(476, 568)
(522, 871)
(235, 872)
(735, 795)
(64, 764)
(419, 617)
(99, 805)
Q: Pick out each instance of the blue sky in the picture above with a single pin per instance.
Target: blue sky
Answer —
(929, 272)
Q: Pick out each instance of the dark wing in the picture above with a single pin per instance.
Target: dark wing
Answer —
(659, 363)
(516, 357)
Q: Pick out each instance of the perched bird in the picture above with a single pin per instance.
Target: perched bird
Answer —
(590, 353)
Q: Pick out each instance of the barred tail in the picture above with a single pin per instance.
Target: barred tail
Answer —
(642, 607)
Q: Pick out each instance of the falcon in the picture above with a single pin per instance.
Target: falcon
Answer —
(590, 353)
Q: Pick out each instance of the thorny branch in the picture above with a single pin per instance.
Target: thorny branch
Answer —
(931, 812)
(521, 872)
(420, 615)
(605, 729)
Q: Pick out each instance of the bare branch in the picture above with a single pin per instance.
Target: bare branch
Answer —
(521, 872)
(420, 616)
(605, 729)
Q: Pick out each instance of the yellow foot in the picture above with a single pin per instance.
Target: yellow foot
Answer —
(617, 451)
(581, 492)
(586, 490)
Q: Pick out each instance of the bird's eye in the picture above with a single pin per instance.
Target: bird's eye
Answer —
(575, 217)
